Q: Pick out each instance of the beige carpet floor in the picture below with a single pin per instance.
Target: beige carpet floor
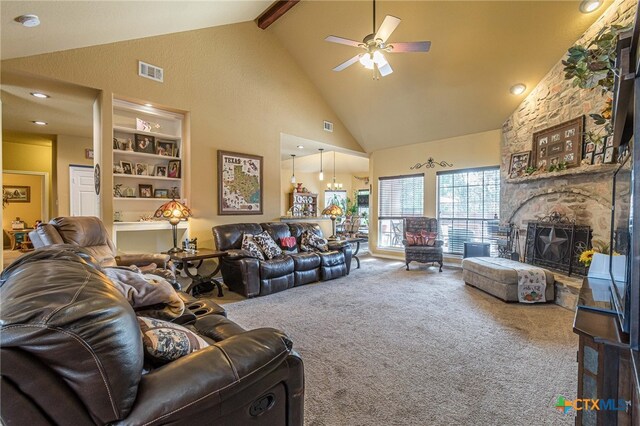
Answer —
(385, 346)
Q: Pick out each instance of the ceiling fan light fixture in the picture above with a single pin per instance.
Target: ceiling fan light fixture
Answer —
(367, 60)
(379, 59)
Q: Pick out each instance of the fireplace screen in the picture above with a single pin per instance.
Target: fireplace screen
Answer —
(557, 244)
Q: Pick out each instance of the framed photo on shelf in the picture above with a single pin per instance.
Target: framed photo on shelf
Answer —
(127, 167)
(145, 144)
(160, 193)
(166, 148)
(142, 169)
(16, 193)
(598, 159)
(161, 171)
(173, 170)
(145, 191)
(562, 142)
(608, 155)
(588, 158)
(519, 163)
(240, 189)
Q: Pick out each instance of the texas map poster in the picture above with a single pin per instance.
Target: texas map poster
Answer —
(239, 183)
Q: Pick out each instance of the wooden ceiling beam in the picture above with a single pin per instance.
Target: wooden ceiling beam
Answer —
(275, 12)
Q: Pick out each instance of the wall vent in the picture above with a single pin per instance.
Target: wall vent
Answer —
(150, 71)
(328, 126)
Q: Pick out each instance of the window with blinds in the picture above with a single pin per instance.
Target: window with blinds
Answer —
(398, 197)
(468, 207)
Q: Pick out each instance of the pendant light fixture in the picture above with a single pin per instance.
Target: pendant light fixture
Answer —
(293, 169)
(321, 175)
(334, 186)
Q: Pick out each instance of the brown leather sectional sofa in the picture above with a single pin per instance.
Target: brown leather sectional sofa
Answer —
(71, 353)
(253, 277)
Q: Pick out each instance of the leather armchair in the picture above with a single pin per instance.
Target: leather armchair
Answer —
(89, 232)
(71, 353)
(422, 254)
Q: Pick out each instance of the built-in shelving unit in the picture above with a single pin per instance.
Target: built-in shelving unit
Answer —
(147, 159)
(148, 169)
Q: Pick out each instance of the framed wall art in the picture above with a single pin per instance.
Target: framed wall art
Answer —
(560, 143)
(16, 194)
(240, 189)
(519, 163)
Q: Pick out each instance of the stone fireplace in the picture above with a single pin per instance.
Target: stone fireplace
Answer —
(583, 193)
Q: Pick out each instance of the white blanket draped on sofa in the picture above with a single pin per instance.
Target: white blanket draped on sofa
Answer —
(532, 282)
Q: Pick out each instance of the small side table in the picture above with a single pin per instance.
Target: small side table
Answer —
(19, 238)
(357, 241)
(184, 259)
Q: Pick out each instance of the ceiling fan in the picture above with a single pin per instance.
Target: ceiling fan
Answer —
(375, 44)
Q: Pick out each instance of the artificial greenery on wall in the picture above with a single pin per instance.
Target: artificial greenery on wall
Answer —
(593, 66)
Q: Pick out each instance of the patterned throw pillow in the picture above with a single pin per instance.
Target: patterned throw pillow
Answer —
(250, 245)
(165, 341)
(267, 245)
(312, 242)
(431, 238)
(289, 245)
(415, 239)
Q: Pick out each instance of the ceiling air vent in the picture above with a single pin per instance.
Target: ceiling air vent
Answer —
(328, 126)
(150, 71)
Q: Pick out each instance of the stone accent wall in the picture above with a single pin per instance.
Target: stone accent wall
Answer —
(582, 193)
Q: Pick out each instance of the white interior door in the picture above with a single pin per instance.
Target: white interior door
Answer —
(82, 193)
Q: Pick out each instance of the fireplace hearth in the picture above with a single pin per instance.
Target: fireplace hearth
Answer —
(556, 242)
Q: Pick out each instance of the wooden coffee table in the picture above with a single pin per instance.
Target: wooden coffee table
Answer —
(199, 283)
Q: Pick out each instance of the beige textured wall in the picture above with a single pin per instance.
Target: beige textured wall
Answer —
(27, 212)
(476, 150)
(241, 87)
(69, 151)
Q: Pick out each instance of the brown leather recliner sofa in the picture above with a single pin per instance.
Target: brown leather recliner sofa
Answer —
(89, 232)
(252, 277)
(71, 353)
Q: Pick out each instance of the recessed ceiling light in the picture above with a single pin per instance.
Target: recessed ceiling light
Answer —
(148, 105)
(28, 20)
(40, 95)
(588, 6)
(40, 123)
(518, 89)
(300, 147)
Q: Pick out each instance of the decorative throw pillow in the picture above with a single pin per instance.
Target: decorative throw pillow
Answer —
(289, 245)
(415, 239)
(431, 238)
(312, 242)
(267, 245)
(165, 341)
(250, 245)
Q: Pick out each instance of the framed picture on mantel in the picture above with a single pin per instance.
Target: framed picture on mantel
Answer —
(558, 144)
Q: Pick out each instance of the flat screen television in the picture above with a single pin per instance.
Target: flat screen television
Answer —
(621, 237)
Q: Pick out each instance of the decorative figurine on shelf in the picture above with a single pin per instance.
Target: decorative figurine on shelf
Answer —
(117, 190)
(146, 218)
(299, 187)
(117, 216)
(174, 192)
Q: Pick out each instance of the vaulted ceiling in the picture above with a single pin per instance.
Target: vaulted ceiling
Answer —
(479, 49)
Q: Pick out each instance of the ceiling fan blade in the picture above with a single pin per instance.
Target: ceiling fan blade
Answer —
(410, 46)
(385, 69)
(388, 26)
(347, 63)
(340, 40)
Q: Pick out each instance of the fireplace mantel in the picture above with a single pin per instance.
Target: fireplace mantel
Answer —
(582, 170)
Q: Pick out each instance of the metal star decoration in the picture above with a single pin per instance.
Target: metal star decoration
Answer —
(552, 243)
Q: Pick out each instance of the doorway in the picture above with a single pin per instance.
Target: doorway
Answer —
(82, 195)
